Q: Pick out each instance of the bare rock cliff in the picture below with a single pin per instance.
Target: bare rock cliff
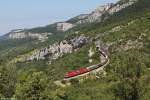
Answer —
(102, 12)
(57, 50)
(20, 35)
(64, 26)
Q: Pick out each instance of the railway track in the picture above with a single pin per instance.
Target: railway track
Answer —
(94, 68)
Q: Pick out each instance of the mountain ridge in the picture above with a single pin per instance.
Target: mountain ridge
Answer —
(98, 15)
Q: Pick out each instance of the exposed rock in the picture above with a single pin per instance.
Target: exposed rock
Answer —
(64, 26)
(91, 54)
(102, 46)
(57, 50)
(103, 12)
(115, 29)
(20, 35)
(119, 7)
(78, 42)
(96, 15)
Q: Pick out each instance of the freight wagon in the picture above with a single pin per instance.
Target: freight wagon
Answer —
(75, 73)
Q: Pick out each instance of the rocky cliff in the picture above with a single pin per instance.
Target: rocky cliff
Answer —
(20, 35)
(64, 26)
(42, 36)
(59, 49)
(102, 12)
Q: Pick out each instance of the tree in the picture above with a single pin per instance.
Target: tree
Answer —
(31, 86)
(129, 72)
(7, 80)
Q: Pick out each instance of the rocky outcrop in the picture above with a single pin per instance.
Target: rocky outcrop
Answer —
(64, 26)
(119, 7)
(97, 14)
(102, 46)
(57, 50)
(20, 35)
(103, 12)
(91, 54)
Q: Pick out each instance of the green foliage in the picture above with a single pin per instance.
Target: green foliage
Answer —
(71, 62)
(129, 71)
(127, 78)
(31, 86)
(7, 80)
(41, 65)
(91, 90)
(12, 48)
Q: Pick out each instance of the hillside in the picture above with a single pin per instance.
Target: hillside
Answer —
(42, 36)
(123, 35)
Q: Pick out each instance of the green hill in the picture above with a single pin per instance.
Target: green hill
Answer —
(126, 77)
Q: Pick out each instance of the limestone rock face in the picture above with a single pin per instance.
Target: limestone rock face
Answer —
(98, 13)
(20, 35)
(64, 26)
(103, 12)
(91, 54)
(119, 7)
(57, 50)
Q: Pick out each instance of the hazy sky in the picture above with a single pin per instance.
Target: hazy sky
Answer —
(16, 14)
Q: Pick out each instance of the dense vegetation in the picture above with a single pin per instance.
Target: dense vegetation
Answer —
(127, 76)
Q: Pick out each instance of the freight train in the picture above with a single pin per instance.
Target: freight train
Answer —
(83, 70)
(86, 70)
(75, 73)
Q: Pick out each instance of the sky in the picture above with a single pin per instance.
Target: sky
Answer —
(16, 14)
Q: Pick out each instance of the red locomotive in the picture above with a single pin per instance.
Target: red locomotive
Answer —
(88, 69)
(75, 73)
